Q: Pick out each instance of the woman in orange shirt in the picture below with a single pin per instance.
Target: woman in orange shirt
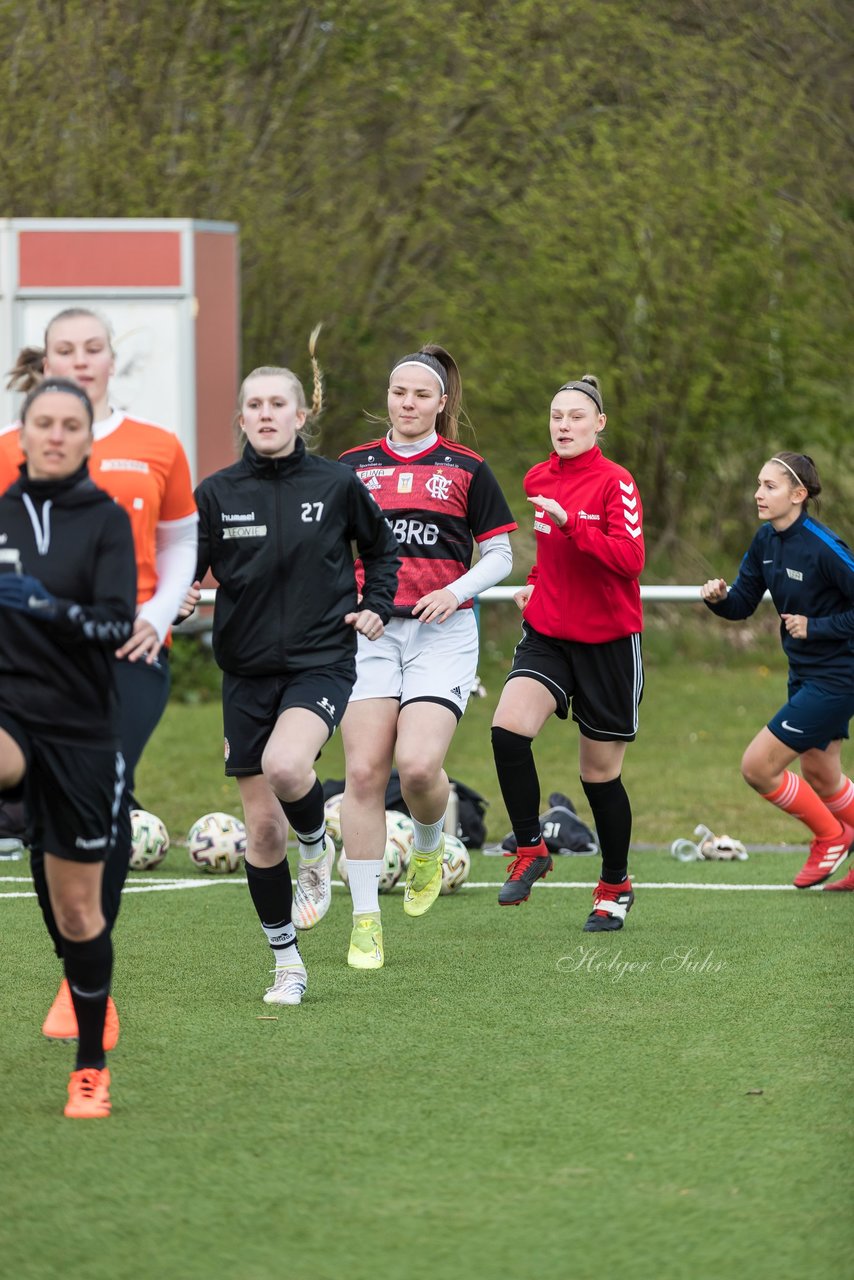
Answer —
(144, 468)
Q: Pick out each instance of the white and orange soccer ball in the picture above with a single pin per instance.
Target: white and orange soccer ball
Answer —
(456, 865)
(149, 840)
(216, 843)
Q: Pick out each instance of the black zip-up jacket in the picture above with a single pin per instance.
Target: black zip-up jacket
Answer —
(277, 535)
(57, 675)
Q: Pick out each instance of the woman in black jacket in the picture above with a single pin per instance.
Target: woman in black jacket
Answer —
(276, 529)
(67, 597)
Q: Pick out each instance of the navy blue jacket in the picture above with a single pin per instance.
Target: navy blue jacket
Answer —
(809, 571)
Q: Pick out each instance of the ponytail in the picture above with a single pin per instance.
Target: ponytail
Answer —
(28, 371)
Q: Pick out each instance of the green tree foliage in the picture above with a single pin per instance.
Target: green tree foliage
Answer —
(660, 193)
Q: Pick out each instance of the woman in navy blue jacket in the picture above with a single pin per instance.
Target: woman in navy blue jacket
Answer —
(809, 572)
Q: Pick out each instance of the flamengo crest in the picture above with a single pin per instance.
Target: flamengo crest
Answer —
(439, 487)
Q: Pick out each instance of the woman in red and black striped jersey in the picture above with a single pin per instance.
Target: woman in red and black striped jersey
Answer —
(580, 647)
(412, 685)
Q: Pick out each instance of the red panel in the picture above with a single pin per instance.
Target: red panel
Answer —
(119, 259)
(217, 349)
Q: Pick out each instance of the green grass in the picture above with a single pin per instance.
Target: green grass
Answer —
(506, 1099)
(696, 719)
(496, 1102)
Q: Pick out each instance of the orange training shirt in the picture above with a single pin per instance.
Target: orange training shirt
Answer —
(143, 467)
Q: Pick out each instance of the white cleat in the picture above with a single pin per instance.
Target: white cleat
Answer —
(313, 888)
(289, 986)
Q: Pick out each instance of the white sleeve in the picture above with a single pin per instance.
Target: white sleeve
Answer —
(176, 542)
(494, 565)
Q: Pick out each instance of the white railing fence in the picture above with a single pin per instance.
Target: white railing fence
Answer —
(660, 594)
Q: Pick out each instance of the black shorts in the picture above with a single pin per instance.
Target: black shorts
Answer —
(603, 683)
(73, 793)
(251, 705)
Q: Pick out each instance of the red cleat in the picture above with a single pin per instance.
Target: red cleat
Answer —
(825, 857)
(847, 882)
(61, 1020)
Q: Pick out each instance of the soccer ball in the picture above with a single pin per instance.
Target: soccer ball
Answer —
(392, 866)
(217, 842)
(332, 818)
(399, 829)
(149, 840)
(456, 865)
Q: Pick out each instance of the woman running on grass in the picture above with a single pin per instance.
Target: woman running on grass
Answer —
(67, 595)
(412, 688)
(809, 572)
(580, 648)
(276, 530)
(144, 468)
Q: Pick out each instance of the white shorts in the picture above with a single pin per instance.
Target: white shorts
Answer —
(420, 662)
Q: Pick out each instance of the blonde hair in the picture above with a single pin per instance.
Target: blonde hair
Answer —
(28, 370)
(275, 371)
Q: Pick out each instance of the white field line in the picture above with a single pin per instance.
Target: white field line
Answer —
(165, 886)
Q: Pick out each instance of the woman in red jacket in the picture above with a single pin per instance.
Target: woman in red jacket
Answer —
(580, 647)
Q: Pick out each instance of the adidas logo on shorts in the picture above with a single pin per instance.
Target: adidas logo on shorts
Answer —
(457, 691)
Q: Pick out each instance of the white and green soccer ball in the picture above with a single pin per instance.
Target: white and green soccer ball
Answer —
(332, 818)
(217, 843)
(456, 865)
(393, 854)
(149, 840)
(399, 830)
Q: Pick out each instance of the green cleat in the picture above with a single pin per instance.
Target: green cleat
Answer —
(366, 943)
(423, 880)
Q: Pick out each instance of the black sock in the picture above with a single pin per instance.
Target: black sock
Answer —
(612, 815)
(305, 816)
(520, 786)
(272, 892)
(40, 886)
(117, 866)
(89, 970)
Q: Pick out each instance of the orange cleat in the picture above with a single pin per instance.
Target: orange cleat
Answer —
(847, 882)
(61, 1020)
(89, 1094)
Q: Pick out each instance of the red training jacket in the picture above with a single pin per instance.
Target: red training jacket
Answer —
(586, 575)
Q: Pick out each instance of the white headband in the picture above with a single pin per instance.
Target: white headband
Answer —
(421, 364)
(790, 469)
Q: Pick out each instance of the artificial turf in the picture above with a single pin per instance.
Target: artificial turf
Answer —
(508, 1098)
